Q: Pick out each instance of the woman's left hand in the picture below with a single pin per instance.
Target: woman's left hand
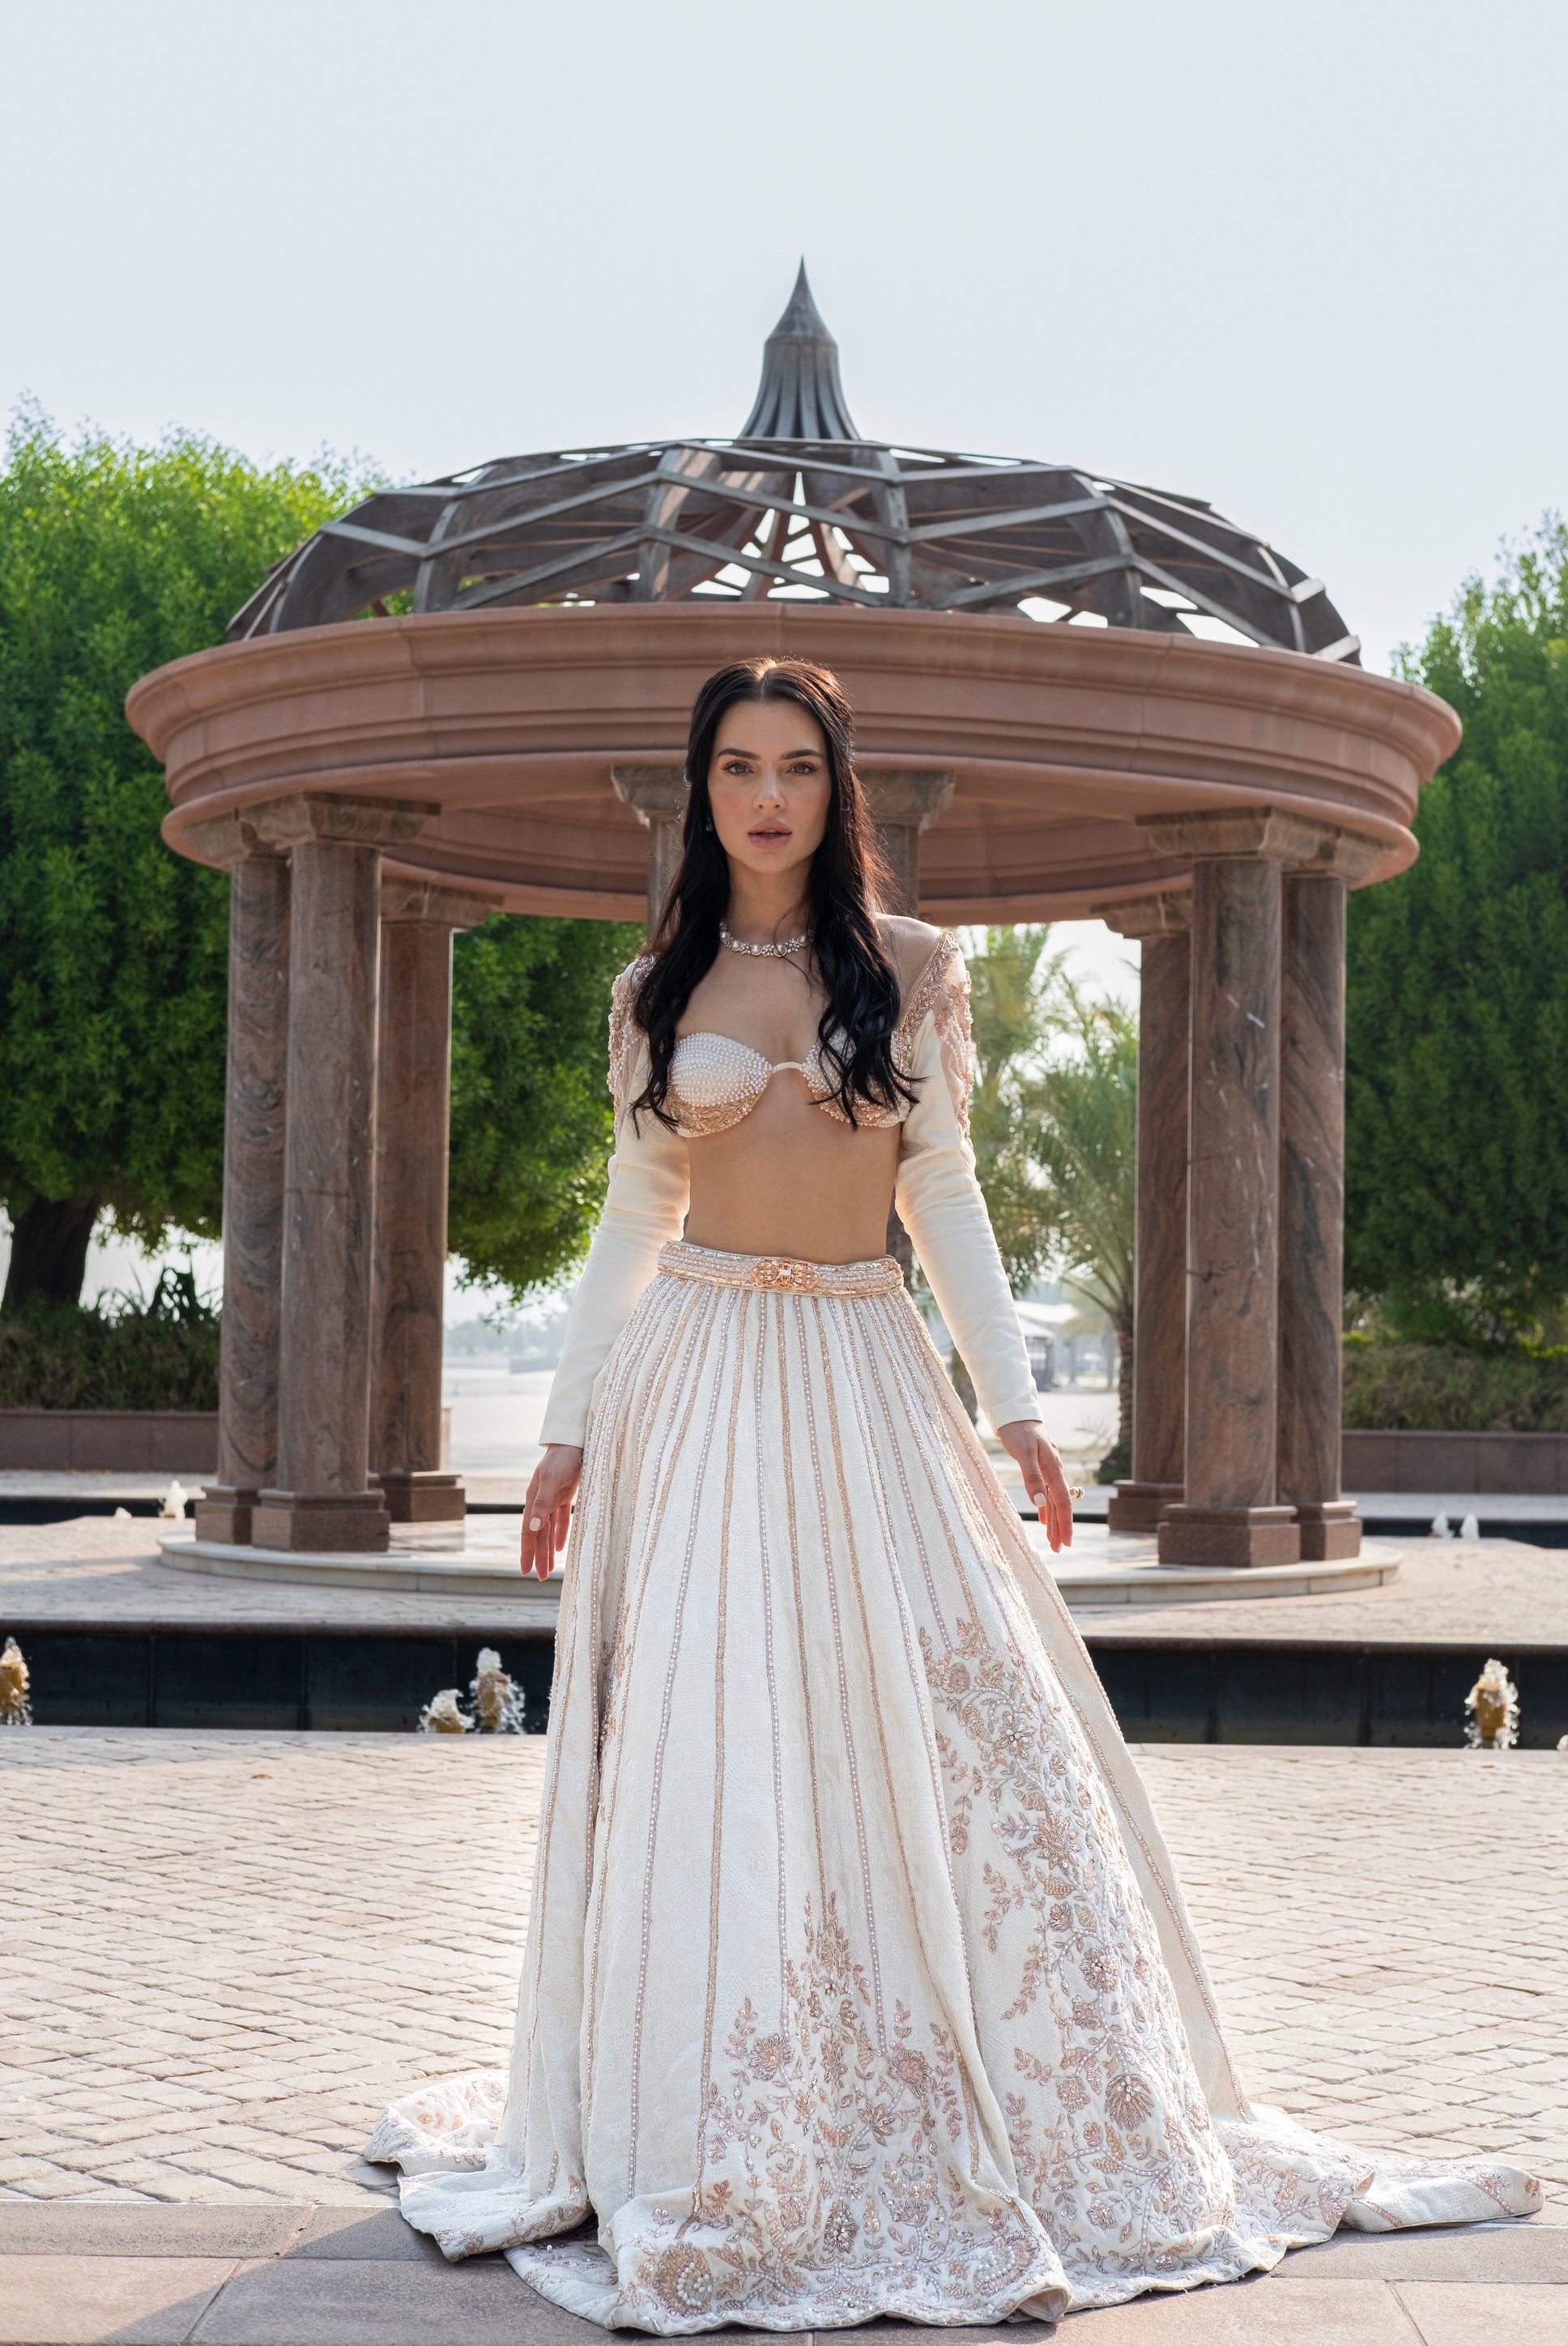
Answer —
(1044, 1479)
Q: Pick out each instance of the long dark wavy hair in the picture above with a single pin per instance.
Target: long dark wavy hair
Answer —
(843, 887)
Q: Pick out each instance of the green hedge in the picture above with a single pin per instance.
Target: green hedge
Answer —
(163, 1355)
(158, 1354)
(1447, 1388)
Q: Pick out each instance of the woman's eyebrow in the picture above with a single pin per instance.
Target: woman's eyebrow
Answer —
(805, 751)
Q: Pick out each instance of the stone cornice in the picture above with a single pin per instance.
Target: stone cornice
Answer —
(1059, 740)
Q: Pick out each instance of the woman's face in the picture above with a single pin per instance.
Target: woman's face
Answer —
(769, 786)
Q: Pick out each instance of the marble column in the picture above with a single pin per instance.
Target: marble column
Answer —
(656, 796)
(252, 1179)
(1230, 1514)
(322, 1497)
(902, 804)
(1163, 924)
(413, 1098)
(1312, 1193)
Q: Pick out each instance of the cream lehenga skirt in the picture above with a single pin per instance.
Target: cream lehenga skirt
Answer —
(858, 1978)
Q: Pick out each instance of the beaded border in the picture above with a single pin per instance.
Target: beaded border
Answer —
(781, 1274)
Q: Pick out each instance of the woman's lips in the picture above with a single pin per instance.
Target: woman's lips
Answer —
(767, 835)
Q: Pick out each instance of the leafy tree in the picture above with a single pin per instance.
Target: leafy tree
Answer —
(531, 1112)
(113, 559)
(113, 952)
(1457, 1103)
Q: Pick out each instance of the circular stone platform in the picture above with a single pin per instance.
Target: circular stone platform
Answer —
(479, 1557)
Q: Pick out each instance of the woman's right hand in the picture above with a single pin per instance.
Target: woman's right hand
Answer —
(547, 1509)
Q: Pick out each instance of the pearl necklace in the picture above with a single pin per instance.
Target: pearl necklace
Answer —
(770, 952)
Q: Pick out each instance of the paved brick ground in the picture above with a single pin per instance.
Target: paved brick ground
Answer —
(222, 1952)
(219, 1954)
(1499, 1594)
(1389, 1934)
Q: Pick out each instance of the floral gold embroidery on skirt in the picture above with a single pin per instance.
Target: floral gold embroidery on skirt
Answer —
(858, 1981)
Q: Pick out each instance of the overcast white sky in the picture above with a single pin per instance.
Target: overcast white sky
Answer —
(1304, 261)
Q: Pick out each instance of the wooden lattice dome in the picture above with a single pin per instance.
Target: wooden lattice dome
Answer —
(801, 506)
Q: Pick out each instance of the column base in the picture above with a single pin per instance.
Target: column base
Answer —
(1330, 1531)
(1229, 1536)
(1138, 1506)
(223, 1512)
(351, 1523)
(414, 1496)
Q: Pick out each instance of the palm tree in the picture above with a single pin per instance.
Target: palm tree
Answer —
(1055, 1124)
(1078, 1132)
(1013, 983)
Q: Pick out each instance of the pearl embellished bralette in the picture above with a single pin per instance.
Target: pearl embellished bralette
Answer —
(715, 1081)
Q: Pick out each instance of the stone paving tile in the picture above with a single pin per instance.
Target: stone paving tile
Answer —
(1517, 2254)
(478, 2304)
(1262, 2312)
(66, 2300)
(1463, 2314)
(257, 2228)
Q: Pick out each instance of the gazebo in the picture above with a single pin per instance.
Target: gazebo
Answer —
(1075, 697)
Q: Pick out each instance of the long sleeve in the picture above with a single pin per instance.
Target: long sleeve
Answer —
(645, 1205)
(940, 1206)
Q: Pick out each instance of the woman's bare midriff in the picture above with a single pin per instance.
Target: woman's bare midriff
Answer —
(790, 1179)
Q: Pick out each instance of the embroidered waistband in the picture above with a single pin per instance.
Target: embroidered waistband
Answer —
(785, 1273)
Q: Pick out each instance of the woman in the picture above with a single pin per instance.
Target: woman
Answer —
(858, 1979)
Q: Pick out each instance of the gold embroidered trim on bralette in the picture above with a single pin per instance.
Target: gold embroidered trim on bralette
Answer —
(784, 1274)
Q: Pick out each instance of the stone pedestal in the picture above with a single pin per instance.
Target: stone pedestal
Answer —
(1159, 1365)
(901, 805)
(1231, 1514)
(1229, 1535)
(1312, 1193)
(414, 1092)
(252, 1180)
(656, 796)
(1330, 1530)
(322, 1497)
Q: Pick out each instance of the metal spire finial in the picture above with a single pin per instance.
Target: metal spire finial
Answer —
(800, 396)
